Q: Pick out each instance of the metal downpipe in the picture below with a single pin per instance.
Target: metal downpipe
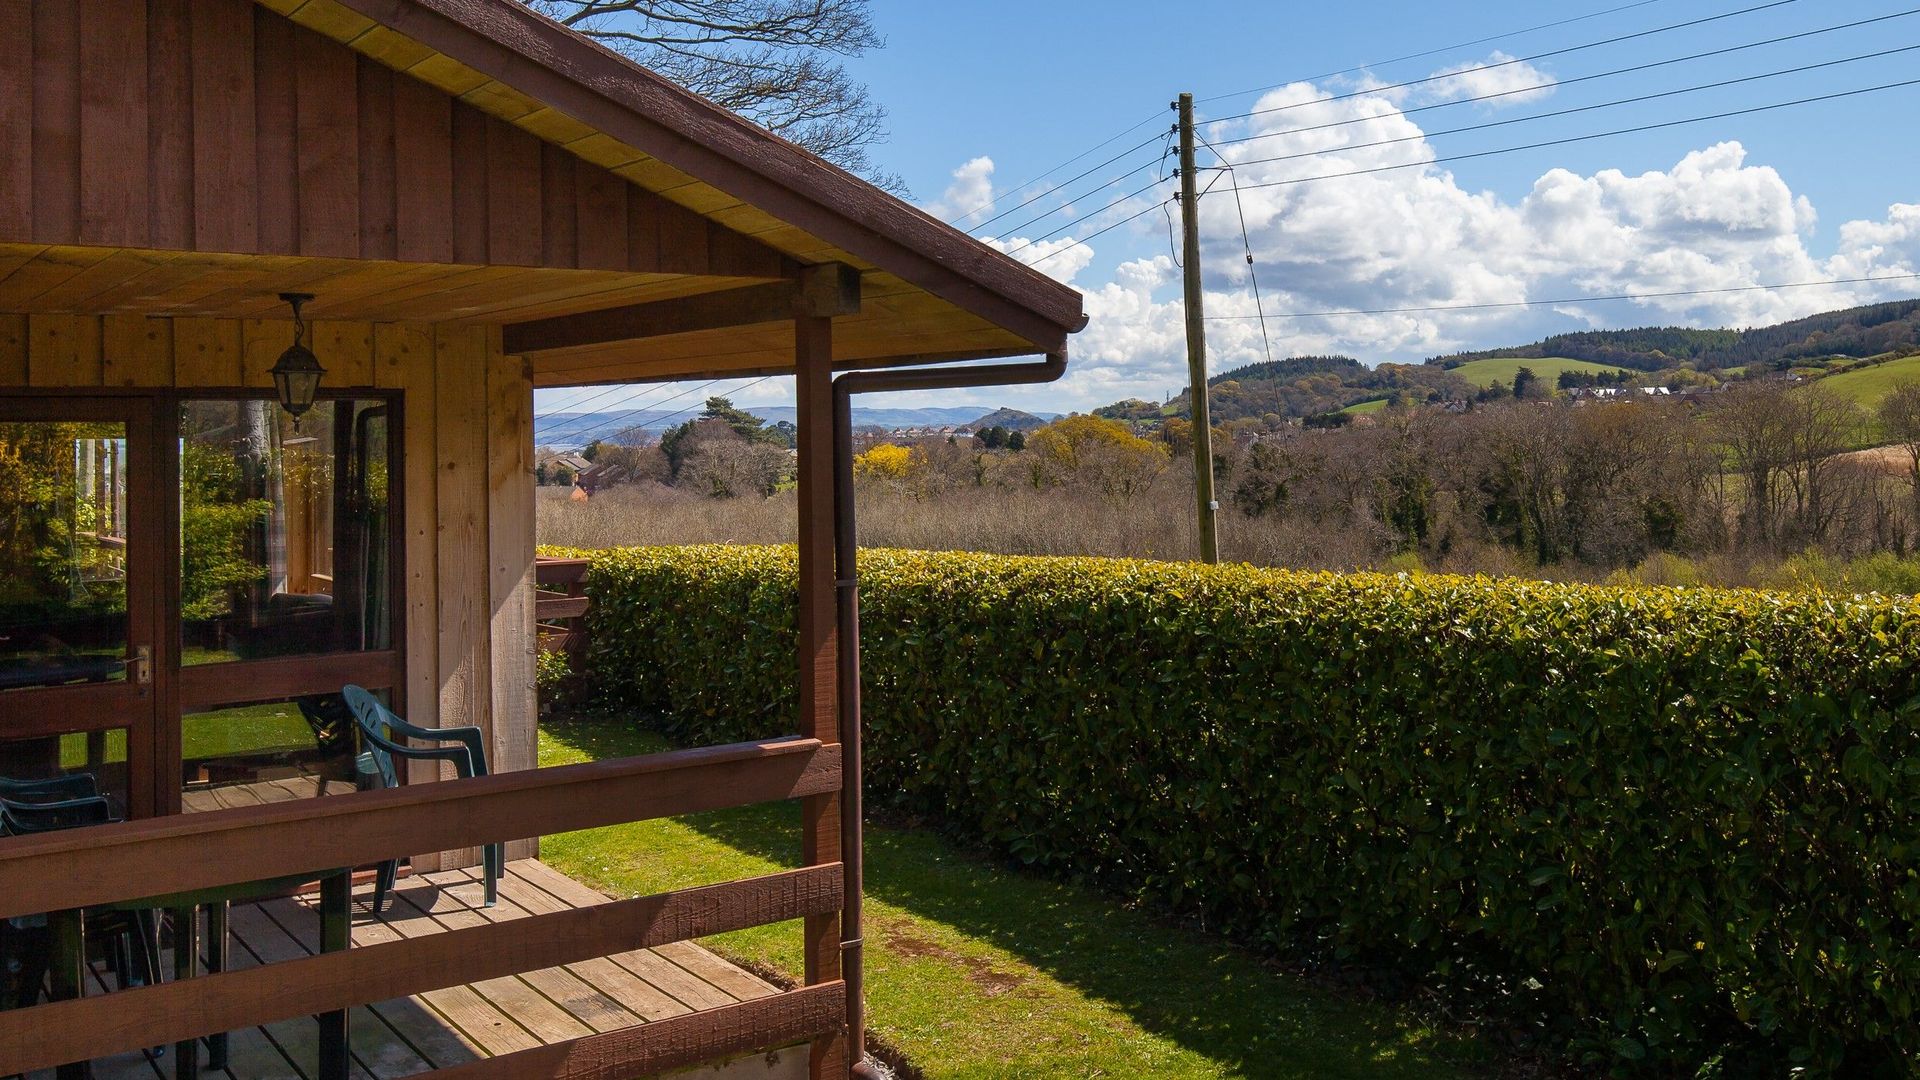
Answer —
(847, 621)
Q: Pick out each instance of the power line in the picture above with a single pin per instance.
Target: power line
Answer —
(1246, 241)
(1587, 138)
(1037, 196)
(1097, 232)
(1173, 249)
(1567, 300)
(1505, 63)
(1110, 140)
(1023, 245)
(1434, 52)
(1014, 230)
(575, 408)
(1580, 109)
(738, 389)
(621, 422)
(1095, 148)
(1556, 84)
(1252, 276)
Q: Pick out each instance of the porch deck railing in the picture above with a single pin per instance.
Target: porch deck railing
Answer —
(560, 604)
(113, 863)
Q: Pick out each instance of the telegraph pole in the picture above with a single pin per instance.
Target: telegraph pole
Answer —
(1196, 339)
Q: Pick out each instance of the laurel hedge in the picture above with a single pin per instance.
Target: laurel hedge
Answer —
(1681, 824)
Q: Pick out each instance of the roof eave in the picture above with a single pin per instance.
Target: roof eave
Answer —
(576, 75)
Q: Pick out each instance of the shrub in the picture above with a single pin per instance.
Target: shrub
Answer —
(1685, 823)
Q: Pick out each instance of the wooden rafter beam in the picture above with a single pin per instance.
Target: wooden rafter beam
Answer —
(824, 291)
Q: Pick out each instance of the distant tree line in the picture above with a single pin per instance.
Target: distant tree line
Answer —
(1858, 332)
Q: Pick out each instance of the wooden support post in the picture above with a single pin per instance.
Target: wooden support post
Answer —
(819, 645)
(336, 933)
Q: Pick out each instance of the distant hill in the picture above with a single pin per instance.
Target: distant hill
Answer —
(564, 429)
(1305, 386)
(1011, 419)
(1858, 332)
(1298, 367)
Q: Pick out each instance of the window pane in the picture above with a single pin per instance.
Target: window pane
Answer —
(99, 756)
(267, 752)
(284, 530)
(63, 553)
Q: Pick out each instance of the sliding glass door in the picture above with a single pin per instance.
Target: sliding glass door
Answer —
(286, 593)
(81, 577)
(185, 585)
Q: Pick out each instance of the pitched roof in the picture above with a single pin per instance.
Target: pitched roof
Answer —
(521, 67)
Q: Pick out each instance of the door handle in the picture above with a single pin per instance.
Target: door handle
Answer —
(140, 665)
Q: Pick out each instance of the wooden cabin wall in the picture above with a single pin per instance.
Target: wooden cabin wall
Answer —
(467, 426)
(221, 126)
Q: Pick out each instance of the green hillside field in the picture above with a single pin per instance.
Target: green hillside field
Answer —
(1868, 385)
(1485, 373)
(1361, 408)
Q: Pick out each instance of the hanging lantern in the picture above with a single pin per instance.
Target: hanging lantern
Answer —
(296, 375)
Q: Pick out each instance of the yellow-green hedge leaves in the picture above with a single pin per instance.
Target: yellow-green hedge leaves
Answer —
(1685, 824)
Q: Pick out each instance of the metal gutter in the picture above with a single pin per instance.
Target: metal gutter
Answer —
(847, 574)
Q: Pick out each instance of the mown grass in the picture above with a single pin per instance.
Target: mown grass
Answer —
(1484, 373)
(1867, 385)
(979, 971)
(1362, 408)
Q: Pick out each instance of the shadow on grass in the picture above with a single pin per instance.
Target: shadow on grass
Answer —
(1189, 989)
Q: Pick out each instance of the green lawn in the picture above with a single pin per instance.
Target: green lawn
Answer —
(1868, 385)
(246, 731)
(1362, 408)
(243, 732)
(1484, 373)
(977, 971)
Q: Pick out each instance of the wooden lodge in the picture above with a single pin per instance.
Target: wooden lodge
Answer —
(195, 563)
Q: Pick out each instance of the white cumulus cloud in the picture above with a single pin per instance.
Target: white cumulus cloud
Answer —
(1417, 237)
(1504, 79)
(969, 195)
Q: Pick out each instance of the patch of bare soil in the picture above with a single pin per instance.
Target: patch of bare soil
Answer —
(992, 981)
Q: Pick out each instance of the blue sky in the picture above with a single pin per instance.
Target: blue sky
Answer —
(1727, 204)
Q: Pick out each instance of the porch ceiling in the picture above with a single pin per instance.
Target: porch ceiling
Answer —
(38, 278)
(897, 323)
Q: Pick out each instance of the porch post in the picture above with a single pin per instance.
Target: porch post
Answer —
(819, 645)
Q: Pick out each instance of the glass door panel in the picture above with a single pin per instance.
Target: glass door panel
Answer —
(77, 580)
(285, 530)
(286, 537)
(63, 554)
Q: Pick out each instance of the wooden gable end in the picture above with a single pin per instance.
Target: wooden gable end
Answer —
(221, 126)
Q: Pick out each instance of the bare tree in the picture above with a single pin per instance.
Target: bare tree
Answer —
(1755, 427)
(1899, 416)
(1824, 426)
(776, 62)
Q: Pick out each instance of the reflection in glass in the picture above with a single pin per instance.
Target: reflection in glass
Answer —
(267, 752)
(284, 530)
(63, 553)
(98, 757)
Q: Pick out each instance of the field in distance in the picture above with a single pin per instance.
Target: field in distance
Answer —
(1484, 373)
(1868, 385)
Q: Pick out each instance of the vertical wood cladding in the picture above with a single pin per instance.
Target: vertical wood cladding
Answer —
(217, 125)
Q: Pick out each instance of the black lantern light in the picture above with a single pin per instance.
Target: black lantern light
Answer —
(296, 375)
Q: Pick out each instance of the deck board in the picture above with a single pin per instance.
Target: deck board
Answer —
(450, 1026)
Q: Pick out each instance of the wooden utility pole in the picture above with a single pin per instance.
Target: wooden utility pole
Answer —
(1196, 340)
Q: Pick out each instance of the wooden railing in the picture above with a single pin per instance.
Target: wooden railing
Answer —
(113, 863)
(560, 604)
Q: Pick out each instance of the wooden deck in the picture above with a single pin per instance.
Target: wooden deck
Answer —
(284, 789)
(461, 1023)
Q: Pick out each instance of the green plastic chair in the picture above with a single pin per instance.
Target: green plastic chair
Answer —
(380, 732)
